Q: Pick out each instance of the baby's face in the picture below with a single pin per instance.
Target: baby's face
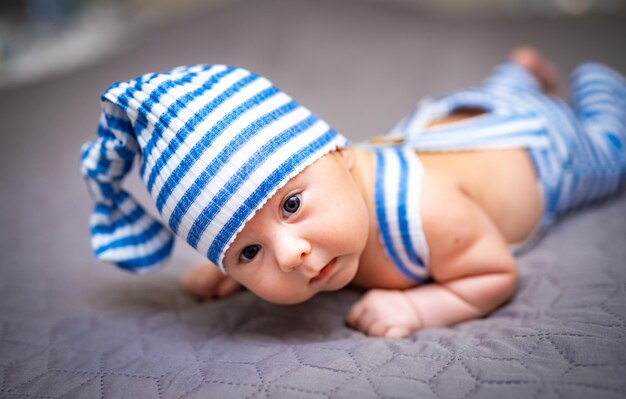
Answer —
(307, 238)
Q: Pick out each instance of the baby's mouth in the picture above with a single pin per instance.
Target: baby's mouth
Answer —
(325, 271)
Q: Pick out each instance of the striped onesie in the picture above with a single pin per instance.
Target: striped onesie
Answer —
(578, 150)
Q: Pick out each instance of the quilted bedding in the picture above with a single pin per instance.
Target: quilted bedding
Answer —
(73, 328)
(563, 335)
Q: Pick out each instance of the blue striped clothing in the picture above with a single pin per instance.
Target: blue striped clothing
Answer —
(578, 150)
(398, 177)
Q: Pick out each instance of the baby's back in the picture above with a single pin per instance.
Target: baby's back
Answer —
(502, 182)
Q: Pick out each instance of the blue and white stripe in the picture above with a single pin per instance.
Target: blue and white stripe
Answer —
(397, 187)
(579, 151)
(216, 142)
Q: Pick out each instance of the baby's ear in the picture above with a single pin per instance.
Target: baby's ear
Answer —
(346, 156)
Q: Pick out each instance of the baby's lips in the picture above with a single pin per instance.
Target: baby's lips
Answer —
(325, 271)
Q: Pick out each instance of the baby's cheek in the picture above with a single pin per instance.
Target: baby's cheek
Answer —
(353, 225)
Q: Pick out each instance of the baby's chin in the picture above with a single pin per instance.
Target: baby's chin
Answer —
(301, 298)
(342, 278)
(286, 300)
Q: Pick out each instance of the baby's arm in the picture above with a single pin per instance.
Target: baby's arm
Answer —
(470, 261)
(206, 281)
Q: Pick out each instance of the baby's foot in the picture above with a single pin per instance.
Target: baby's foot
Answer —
(529, 58)
(384, 313)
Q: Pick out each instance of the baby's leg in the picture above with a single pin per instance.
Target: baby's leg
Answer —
(599, 101)
(530, 59)
(526, 69)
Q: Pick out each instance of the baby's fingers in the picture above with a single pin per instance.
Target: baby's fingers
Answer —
(378, 329)
(397, 332)
(361, 317)
(355, 313)
(201, 281)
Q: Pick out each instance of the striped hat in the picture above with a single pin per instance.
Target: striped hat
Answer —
(216, 142)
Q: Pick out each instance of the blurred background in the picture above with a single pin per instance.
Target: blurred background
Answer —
(41, 38)
(359, 64)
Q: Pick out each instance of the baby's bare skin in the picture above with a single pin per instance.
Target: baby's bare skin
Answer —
(469, 222)
(474, 205)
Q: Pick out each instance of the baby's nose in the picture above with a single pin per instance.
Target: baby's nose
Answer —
(291, 254)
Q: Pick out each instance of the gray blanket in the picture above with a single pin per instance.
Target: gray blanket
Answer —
(73, 328)
(562, 335)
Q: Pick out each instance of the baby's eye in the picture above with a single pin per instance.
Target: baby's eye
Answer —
(249, 252)
(291, 205)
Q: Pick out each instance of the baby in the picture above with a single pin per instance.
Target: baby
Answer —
(427, 217)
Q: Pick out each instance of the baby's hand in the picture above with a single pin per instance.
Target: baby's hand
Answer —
(206, 281)
(384, 313)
